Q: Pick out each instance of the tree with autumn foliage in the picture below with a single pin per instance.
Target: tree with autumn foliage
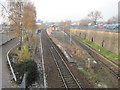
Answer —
(22, 17)
(29, 16)
(22, 20)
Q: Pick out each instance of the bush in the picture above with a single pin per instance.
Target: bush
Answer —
(29, 67)
(32, 72)
(24, 54)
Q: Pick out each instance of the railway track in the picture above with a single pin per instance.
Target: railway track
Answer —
(112, 67)
(67, 78)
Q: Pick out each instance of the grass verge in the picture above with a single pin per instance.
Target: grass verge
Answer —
(114, 57)
(93, 77)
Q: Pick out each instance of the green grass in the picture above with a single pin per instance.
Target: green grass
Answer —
(84, 71)
(95, 80)
(114, 57)
(90, 74)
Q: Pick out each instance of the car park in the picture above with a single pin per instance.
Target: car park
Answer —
(114, 26)
(100, 26)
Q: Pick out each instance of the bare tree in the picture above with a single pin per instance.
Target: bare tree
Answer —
(84, 22)
(113, 20)
(94, 16)
(61, 25)
(3, 13)
(15, 8)
(65, 25)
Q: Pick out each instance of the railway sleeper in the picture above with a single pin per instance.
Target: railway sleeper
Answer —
(62, 86)
(73, 86)
(71, 82)
(69, 79)
(67, 75)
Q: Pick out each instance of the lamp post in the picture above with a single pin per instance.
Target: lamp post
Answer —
(70, 38)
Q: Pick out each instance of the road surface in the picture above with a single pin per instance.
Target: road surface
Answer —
(5, 72)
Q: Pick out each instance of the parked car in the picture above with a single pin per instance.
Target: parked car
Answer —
(114, 26)
(105, 26)
(100, 26)
(108, 26)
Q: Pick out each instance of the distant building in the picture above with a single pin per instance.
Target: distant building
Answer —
(39, 22)
(75, 23)
(0, 27)
(54, 27)
(4, 28)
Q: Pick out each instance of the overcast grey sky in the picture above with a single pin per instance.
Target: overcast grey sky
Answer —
(57, 10)
(75, 10)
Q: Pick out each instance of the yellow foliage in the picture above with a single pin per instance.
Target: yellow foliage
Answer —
(24, 54)
(29, 16)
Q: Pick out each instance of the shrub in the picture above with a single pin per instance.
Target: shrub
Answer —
(30, 68)
(24, 54)
(32, 72)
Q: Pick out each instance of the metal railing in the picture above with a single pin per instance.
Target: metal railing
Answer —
(11, 68)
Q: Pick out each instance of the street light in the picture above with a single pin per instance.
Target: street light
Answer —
(70, 38)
